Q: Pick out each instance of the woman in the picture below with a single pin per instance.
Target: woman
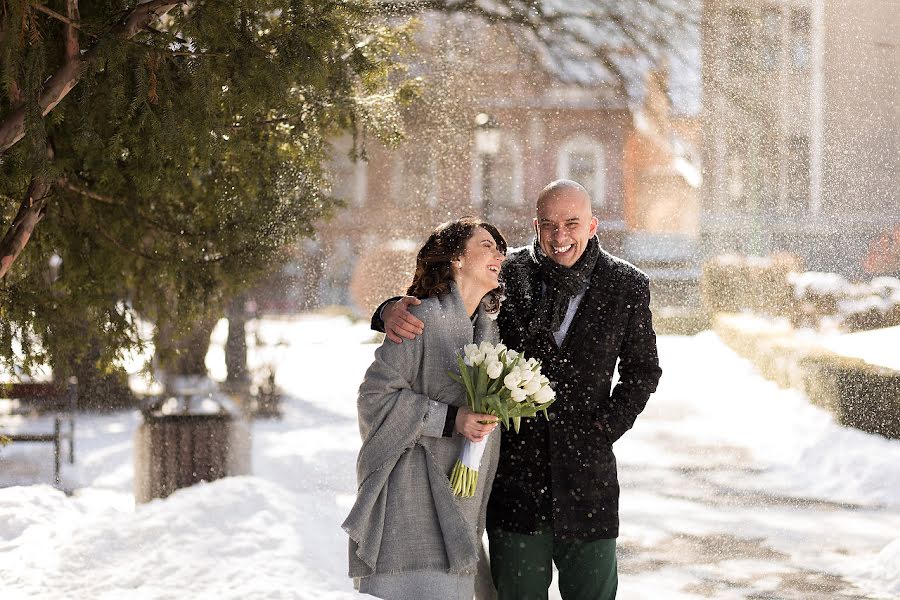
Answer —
(410, 537)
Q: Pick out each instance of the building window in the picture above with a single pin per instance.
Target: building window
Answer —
(770, 48)
(497, 175)
(337, 266)
(581, 159)
(348, 177)
(735, 183)
(739, 38)
(800, 38)
(416, 175)
(798, 180)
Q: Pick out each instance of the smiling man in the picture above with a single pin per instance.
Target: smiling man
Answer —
(579, 310)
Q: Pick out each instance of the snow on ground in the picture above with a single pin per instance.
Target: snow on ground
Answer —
(731, 488)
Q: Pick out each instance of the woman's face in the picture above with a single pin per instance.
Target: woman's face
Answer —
(480, 261)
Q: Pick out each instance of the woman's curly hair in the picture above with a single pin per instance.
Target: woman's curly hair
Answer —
(447, 243)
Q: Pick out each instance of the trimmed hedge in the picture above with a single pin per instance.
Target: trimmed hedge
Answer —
(668, 320)
(858, 394)
(733, 283)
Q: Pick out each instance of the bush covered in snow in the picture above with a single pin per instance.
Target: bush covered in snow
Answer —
(382, 272)
(852, 306)
(777, 286)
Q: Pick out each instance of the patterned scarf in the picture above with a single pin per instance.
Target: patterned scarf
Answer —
(562, 282)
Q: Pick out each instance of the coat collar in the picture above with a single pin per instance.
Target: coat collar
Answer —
(453, 306)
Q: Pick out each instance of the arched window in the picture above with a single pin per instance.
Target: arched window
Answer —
(497, 174)
(415, 174)
(349, 178)
(581, 159)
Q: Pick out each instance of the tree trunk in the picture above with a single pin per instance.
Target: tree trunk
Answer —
(236, 343)
(99, 390)
(191, 348)
(30, 213)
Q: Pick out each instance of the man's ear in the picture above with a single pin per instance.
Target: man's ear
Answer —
(537, 230)
(592, 230)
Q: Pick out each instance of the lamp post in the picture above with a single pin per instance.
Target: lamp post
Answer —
(487, 145)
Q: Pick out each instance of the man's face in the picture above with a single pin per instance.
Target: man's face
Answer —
(564, 225)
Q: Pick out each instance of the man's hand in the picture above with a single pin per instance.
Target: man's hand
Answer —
(474, 426)
(399, 323)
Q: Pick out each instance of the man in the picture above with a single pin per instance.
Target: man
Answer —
(579, 310)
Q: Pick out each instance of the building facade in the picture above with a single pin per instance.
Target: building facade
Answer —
(492, 128)
(800, 128)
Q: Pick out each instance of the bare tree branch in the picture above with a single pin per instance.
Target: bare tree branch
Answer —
(603, 32)
(70, 21)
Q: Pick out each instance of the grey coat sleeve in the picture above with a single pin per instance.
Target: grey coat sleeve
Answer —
(392, 416)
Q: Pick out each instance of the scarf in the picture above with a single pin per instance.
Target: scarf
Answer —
(562, 283)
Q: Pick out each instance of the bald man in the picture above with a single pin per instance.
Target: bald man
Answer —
(579, 310)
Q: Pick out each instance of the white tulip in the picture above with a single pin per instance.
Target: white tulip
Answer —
(526, 376)
(511, 381)
(486, 347)
(511, 356)
(494, 369)
(533, 386)
(544, 395)
(518, 395)
(499, 348)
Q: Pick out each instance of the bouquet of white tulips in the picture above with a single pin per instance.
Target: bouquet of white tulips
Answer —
(500, 382)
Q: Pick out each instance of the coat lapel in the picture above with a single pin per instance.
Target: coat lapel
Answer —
(485, 328)
(454, 310)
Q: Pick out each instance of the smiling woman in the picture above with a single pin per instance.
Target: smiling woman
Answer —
(411, 537)
(467, 251)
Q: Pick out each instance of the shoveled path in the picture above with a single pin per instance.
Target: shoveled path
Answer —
(726, 491)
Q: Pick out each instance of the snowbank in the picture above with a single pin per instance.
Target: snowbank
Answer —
(236, 537)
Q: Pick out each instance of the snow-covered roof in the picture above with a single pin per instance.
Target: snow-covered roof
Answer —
(567, 50)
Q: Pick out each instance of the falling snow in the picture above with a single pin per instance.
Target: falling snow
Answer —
(731, 488)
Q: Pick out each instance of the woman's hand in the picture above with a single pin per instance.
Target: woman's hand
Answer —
(474, 426)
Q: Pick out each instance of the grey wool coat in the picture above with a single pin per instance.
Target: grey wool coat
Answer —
(405, 516)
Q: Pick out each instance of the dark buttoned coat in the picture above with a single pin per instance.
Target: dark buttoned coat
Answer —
(562, 472)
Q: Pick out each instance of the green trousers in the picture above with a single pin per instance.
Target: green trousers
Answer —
(521, 566)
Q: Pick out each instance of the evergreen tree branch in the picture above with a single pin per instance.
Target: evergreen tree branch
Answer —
(125, 247)
(57, 87)
(173, 36)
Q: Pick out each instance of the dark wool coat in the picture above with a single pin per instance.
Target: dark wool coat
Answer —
(563, 471)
